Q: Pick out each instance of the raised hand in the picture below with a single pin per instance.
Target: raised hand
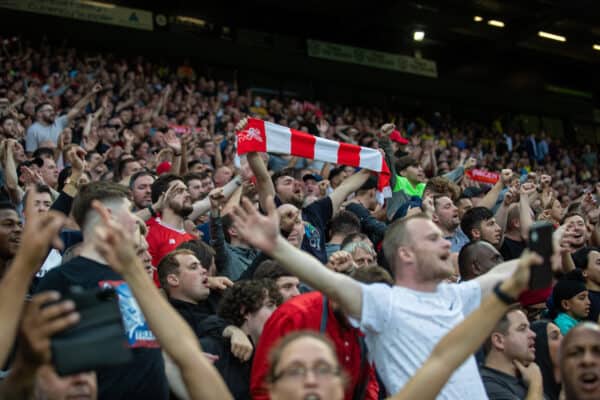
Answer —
(387, 129)
(217, 199)
(471, 163)
(76, 157)
(97, 88)
(545, 180)
(128, 136)
(341, 261)
(39, 234)
(527, 189)
(92, 139)
(163, 199)
(30, 177)
(173, 141)
(261, 231)
(241, 125)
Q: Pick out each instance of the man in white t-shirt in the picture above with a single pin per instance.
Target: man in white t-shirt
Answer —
(402, 323)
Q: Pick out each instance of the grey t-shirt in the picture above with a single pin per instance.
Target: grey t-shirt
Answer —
(501, 386)
(38, 133)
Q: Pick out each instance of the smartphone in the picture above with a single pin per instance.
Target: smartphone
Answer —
(540, 241)
(98, 340)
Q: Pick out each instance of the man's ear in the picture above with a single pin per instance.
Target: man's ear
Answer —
(497, 340)
(476, 268)
(173, 280)
(565, 305)
(476, 234)
(404, 253)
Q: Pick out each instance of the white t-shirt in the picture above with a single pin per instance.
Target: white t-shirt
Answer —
(402, 326)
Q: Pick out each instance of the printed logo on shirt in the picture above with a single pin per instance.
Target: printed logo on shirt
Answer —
(138, 333)
(313, 235)
(172, 241)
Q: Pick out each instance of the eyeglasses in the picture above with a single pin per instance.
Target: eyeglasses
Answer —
(299, 372)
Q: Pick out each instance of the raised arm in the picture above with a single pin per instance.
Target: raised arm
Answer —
(201, 207)
(525, 211)
(264, 184)
(490, 199)
(466, 338)
(347, 187)
(83, 102)
(175, 336)
(39, 234)
(262, 232)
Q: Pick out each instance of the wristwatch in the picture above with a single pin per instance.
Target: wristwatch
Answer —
(72, 182)
(503, 296)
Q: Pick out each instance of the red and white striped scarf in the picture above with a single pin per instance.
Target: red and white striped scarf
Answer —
(262, 136)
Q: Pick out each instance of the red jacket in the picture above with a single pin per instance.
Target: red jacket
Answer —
(304, 312)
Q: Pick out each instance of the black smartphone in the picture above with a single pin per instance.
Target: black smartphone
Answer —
(540, 241)
(97, 340)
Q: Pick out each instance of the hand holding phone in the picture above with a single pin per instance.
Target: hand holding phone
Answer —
(540, 242)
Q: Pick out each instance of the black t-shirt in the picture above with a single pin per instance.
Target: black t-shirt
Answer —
(316, 215)
(193, 314)
(142, 378)
(594, 297)
(512, 249)
(235, 373)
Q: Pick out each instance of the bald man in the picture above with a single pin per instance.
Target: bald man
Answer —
(476, 258)
(580, 362)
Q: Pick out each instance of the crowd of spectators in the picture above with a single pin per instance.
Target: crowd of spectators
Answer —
(274, 276)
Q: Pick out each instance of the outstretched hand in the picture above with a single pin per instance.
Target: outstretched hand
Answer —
(39, 234)
(261, 231)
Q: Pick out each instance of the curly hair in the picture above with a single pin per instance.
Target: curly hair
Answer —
(443, 186)
(246, 297)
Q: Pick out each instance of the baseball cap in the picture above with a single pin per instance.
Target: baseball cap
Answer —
(315, 177)
(163, 168)
(397, 137)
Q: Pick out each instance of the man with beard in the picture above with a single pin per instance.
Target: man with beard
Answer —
(47, 127)
(166, 232)
(509, 370)
(10, 234)
(575, 225)
(580, 362)
(445, 216)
